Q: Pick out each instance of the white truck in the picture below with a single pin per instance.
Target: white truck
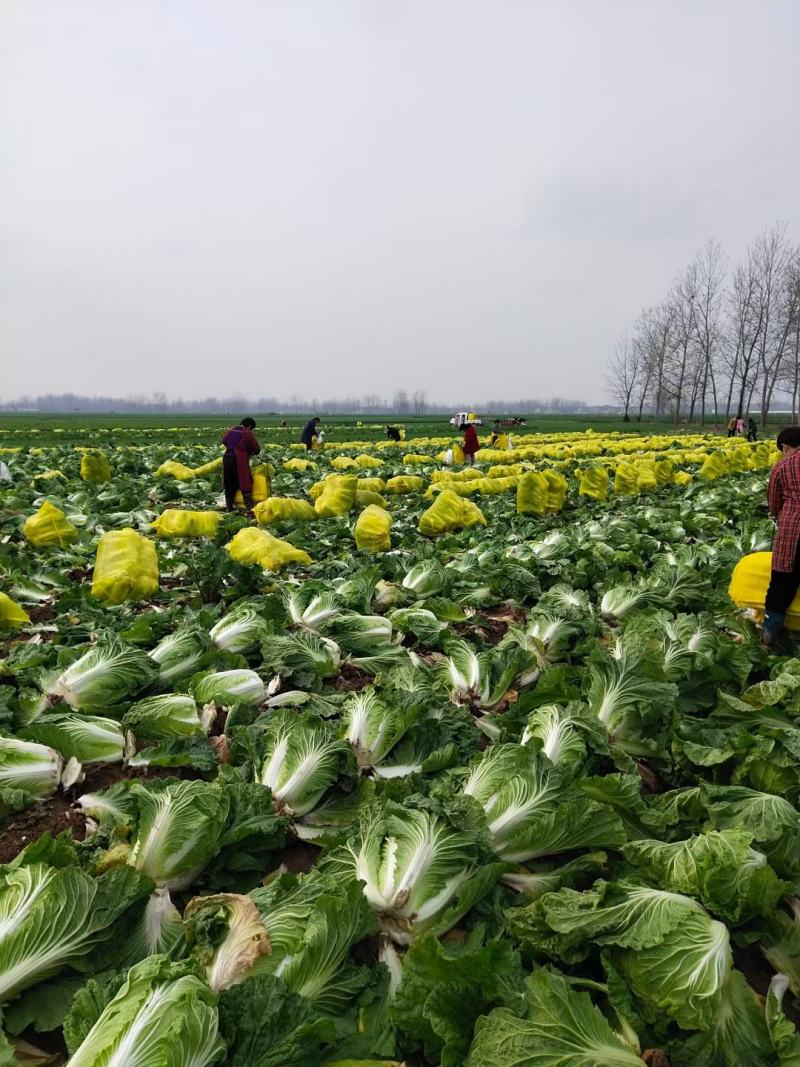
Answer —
(465, 418)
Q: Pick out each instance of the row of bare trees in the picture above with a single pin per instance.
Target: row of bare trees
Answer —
(722, 343)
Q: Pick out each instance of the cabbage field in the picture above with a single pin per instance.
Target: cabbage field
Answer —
(424, 764)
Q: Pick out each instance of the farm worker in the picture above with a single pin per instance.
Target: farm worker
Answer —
(471, 444)
(739, 426)
(731, 426)
(495, 433)
(392, 433)
(240, 444)
(783, 497)
(752, 430)
(309, 433)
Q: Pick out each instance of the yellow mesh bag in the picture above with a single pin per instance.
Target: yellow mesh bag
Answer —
(95, 467)
(625, 480)
(364, 497)
(283, 509)
(49, 527)
(207, 469)
(343, 463)
(261, 485)
(405, 483)
(748, 587)
(126, 567)
(173, 522)
(532, 491)
(762, 454)
(371, 485)
(372, 530)
(682, 478)
(458, 453)
(449, 512)
(251, 545)
(12, 616)
(338, 495)
(646, 477)
(714, 467)
(366, 462)
(172, 469)
(299, 465)
(594, 483)
(412, 458)
(665, 471)
(556, 490)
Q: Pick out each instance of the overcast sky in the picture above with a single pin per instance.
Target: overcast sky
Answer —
(207, 196)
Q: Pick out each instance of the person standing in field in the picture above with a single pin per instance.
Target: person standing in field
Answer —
(240, 444)
(739, 426)
(783, 498)
(731, 426)
(309, 433)
(471, 443)
(752, 430)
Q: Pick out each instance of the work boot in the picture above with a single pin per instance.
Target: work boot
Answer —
(773, 635)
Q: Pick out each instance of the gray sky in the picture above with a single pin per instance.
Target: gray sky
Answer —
(201, 196)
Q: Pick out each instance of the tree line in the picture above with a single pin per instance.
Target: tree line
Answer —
(724, 342)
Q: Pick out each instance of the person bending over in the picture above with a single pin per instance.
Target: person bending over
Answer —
(240, 444)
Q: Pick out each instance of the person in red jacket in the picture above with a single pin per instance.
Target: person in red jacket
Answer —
(240, 444)
(783, 497)
(471, 444)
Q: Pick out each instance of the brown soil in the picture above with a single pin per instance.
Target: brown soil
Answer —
(102, 775)
(53, 815)
(42, 613)
(758, 972)
(298, 857)
(655, 1057)
(352, 679)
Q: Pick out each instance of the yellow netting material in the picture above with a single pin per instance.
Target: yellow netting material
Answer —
(646, 477)
(176, 523)
(299, 465)
(748, 588)
(556, 490)
(682, 478)
(366, 462)
(416, 457)
(405, 483)
(206, 469)
(12, 616)
(172, 469)
(625, 481)
(365, 497)
(532, 492)
(337, 497)
(714, 467)
(283, 509)
(126, 567)
(49, 527)
(449, 512)
(594, 483)
(372, 530)
(95, 467)
(371, 485)
(251, 545)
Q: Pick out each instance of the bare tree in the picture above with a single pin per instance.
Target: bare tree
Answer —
(683, 310)
(623, 374)
(711, 267)
(776, 296)
(745, 323)
(400, 402)
(419, 402)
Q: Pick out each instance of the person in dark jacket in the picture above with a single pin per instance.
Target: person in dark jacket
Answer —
(783, 498)
(240, 444)
(309, 432)
(752, 430)
(471, 444)
(393, 433)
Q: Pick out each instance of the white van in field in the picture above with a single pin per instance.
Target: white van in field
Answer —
(465, 418)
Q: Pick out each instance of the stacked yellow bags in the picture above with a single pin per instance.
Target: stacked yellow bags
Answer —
(532, 490)
(449, 512)
(337, 496)
(126, 567)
